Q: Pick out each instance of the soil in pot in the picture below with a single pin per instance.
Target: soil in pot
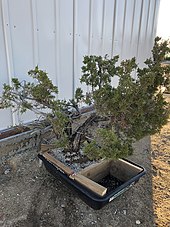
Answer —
(110, 182)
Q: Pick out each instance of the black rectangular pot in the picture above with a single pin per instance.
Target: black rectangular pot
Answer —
(89, 197)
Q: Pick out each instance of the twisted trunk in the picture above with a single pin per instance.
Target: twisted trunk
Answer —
(80, 132)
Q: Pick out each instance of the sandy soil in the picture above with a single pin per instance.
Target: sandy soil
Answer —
(161, 176)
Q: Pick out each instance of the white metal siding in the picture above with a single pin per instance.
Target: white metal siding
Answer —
(56, 34)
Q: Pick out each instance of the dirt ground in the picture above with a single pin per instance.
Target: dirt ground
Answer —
(31, 197)
(161, 175)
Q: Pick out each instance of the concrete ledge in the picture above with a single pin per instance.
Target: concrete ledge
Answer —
(20, 143)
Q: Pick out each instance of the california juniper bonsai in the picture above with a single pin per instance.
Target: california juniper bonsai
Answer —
(132, 110)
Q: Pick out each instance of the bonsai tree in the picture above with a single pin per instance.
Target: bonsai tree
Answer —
(132, 110)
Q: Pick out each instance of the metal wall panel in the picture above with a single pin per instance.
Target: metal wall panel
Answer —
(108, 27)
(5, 115)
(46, 36)
(66, 48)
(97, 26)
(20, 34)
(56, 34)
(141, 50)
(81, 37)
(127, 30)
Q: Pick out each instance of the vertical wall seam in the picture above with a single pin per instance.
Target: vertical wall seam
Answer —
(90, 27)
(34, 33)
(56, 49)
(89, 32)
(155, 18)
(140, 24)
(123, 34)
(103, 26)
(147, 21)
(133, 19)
(157, 15)
(146, 29)
(113, 27)
(8, 48)
(74, 51)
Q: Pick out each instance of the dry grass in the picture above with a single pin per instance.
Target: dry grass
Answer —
(161, 176)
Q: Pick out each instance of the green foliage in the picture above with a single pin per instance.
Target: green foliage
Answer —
(98, 71)
(38, 96)
(160, 50)
(21, 94)
(107, 145)
(134, 109)
(78, 95)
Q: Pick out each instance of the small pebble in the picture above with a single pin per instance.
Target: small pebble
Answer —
(39, 163)
(6, 171)
(124, 212)
(62, 205)
(137, 222)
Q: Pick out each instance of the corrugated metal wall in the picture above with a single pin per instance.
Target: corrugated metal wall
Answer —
(56, 34)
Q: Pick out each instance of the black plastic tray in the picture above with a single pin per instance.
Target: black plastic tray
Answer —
(93, 200)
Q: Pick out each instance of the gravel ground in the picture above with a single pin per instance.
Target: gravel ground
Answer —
(31, 197)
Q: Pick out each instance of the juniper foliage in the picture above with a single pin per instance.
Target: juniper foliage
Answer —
(134, 109)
